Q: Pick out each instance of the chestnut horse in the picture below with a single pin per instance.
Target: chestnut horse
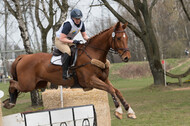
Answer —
(32, 71)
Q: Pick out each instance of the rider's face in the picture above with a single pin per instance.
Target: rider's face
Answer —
(76, 20)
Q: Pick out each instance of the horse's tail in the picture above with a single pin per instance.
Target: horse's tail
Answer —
(13, 67)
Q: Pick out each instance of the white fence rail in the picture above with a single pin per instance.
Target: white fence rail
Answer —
(72, 116)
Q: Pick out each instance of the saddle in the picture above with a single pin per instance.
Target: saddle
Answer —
(56, 60)
(57, 54)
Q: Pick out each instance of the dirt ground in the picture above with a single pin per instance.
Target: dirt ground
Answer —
(182, 89)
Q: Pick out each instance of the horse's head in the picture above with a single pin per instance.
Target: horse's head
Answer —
(120, 41)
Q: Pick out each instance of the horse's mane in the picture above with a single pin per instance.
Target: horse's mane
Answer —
(99, 33)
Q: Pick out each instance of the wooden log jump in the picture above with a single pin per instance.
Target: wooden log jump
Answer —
(179, 76)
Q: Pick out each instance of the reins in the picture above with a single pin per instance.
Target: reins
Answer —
(111, 50)
(113, 41)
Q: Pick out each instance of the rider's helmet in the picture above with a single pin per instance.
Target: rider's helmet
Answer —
(76, 13)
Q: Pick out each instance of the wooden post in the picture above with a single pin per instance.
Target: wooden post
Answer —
(1, 115)
(180, 81)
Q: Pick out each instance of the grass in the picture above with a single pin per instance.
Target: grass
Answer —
(179, 70)
(154, 105)
(23, 102)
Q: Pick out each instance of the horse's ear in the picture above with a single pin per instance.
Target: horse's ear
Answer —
(117, 26)
(125, 25)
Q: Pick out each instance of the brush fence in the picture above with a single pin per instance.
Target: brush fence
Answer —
(72, 116)
(77, 97)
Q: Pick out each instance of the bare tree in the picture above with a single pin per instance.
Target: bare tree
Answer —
(48, 15)
(63, 5)
(36, 38)
(142, 13)
(17, 13)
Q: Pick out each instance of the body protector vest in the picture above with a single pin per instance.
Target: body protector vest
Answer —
(74, 29)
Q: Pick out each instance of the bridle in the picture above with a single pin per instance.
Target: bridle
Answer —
(113, 42)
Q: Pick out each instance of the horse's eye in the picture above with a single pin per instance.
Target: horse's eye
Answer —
(119, 38)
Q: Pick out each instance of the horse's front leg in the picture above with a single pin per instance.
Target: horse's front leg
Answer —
(118, 112)
(130, 112)
(99, 84)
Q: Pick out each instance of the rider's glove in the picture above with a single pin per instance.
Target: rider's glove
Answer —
(76, 42)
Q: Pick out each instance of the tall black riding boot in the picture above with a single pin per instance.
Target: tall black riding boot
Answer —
(65, 58)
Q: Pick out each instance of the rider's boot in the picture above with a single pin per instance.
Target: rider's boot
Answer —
(65, 58)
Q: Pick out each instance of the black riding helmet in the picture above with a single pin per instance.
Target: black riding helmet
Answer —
(76, 13)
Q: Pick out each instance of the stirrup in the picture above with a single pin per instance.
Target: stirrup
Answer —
(68, 76)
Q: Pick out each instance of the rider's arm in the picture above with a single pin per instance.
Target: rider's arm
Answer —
(84, 35)
(63, 38)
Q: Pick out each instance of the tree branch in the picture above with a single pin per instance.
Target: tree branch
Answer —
(152, 5)
(139, 4)
(139, 7)
(120, 18)
(89, 10)
(50, 19)
(39, 24)
(127, 8)
(2, 13)
(44, 10)
(10, 8)
(64, 7)
(184, 9)
(178, 75)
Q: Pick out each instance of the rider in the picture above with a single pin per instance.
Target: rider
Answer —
(64, 38)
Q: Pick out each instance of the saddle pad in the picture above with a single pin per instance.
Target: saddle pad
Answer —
(56, 60)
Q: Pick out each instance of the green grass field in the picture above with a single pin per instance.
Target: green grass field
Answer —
(153, 105)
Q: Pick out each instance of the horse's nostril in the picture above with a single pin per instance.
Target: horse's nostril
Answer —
(126, 59)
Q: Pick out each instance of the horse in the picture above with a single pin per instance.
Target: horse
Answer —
(32, 71)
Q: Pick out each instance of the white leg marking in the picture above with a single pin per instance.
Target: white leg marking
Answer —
(119, 110)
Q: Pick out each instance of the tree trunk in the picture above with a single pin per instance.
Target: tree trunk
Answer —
(142, 14)
(154, 63)
(35, 98)
(44, 41)
(153, 52)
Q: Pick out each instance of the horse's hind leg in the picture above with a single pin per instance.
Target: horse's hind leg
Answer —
(131, 113)
(13, 93)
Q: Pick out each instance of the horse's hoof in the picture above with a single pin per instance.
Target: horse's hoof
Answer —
(7, 104)
(131, 116)
(87, 89)
(6, 101)
(118, 115)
